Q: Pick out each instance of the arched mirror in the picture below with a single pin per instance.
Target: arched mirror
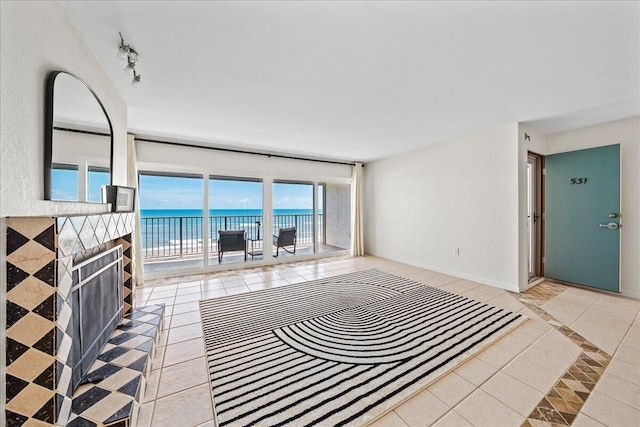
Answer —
(78, 143)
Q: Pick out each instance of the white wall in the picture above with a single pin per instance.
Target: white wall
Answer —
(172, 158)
(422, 205)
(35, 39)
(627, 134)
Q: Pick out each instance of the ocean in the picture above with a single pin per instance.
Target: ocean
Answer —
(171, 232)
(145, 213)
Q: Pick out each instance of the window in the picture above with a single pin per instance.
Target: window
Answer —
(96, 178)
(64, 182)
(202, 195)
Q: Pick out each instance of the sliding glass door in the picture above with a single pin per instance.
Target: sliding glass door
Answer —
(293, 216)
(171, 221)
(235, 220)
(192, 222)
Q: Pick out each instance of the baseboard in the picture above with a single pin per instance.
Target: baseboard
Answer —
(482, 280)
(635, 295)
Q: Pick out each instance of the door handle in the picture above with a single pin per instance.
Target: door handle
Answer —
(610, 226)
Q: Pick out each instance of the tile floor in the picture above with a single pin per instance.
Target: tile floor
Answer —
(510, 383)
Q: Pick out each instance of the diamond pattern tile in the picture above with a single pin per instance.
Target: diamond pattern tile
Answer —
(14, 419)
(47, 308)
(14, 386)
(120, 226)
(31, 257)
(47, 238)
(15, 240)
(59, 222)
(94, 220)
(30, 365)
(77, 222)
(31, 293)
(30, 227)
(67, 237)
(15, 313)
(116, 381)
(112, 229)
(564, 401)
(14, 350)
(87, 235)
(30, 400)
(100, 230)
(46, 344)
(29, 329)
(15, 276)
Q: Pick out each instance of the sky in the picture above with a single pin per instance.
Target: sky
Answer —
(292, 196)
(161, 192)
(64, 184)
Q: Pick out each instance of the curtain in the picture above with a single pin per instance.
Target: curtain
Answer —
(357, 242)
(132, 181)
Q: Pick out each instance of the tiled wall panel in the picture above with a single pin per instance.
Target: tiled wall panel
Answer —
(31, 321)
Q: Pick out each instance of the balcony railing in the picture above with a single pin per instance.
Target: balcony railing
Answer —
(182, 236)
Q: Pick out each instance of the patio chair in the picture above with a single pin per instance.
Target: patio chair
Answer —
(232, 240)
(286, 237)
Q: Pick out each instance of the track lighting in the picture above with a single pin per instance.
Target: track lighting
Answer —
(136, 78)
(131, 65)
(129, 54)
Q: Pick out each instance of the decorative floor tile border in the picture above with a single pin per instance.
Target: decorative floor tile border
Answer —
(564, 401)
(544, 292)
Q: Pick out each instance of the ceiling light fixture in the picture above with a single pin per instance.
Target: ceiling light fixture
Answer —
(136, 78)
(128, 53)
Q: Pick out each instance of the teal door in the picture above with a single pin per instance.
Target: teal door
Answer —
(583, 217)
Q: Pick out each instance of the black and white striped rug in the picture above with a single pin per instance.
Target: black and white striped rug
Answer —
(337, 351)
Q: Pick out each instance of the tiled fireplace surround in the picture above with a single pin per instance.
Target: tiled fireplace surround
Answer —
(40, 256)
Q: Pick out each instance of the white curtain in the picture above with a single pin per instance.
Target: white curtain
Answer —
(132, 181)
(357, 242)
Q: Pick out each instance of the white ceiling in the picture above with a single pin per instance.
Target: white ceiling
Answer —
(365, 80)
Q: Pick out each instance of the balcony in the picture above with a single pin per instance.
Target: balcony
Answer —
(176, 242)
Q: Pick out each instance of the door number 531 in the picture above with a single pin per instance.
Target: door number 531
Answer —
(578, 181)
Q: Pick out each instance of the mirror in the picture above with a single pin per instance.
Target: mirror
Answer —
(78, 141)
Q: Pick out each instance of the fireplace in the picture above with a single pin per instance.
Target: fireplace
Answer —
(45, 264)
(96, 302)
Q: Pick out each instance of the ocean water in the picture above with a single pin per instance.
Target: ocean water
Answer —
(171, 232)
(145, 213)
